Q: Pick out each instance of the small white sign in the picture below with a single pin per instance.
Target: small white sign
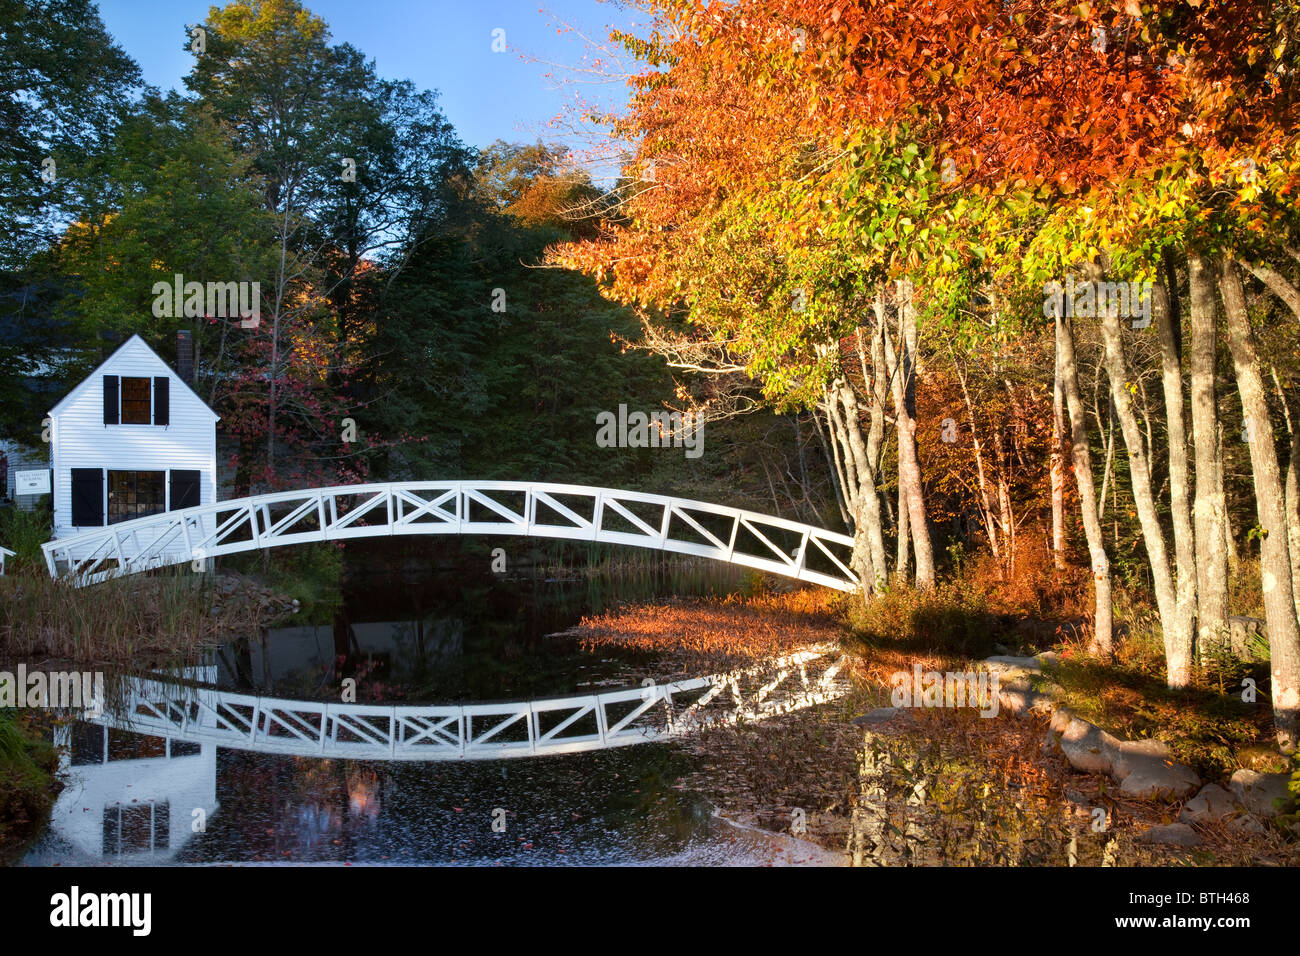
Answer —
(31, 482)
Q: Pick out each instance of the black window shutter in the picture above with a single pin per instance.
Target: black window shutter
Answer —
(87, 497)
(110, 399)
(184, 490)
(161, 400)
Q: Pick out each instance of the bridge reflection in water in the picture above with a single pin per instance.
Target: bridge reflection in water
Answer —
(201, 767)
(145, 774)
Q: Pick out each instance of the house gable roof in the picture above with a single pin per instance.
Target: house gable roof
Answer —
(105, 367)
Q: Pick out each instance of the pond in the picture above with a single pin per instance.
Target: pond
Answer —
(413, 627)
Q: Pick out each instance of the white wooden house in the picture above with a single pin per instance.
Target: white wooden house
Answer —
(132, 439)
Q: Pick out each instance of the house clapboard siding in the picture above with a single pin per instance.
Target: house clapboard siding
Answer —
(90, 438)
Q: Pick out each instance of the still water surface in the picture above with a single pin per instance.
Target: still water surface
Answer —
(411, 631)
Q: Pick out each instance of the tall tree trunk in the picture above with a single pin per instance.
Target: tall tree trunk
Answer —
(1081, 459)
(1177, 643)
(831, 451)
(876, 389)
(1169, 326)
(1292, 492)
(1279, 603)
(1006, 516)
(1290, 295)
(904, 544)
(985, 505)
(879, 390)
(1057, 467)
(901, 371)
(869, 549)
(1210, 525)
(841, 427)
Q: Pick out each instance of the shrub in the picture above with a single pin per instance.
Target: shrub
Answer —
(28, 785)
(23, 532)
(952, 617)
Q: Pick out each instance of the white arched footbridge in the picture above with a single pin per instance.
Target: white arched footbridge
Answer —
(481, 731)
(534, 509)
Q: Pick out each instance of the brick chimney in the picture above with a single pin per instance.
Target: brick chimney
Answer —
(185, 356)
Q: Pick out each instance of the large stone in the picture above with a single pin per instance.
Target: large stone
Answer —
(877, 716)
(1135, 753)
(1247, 823)
(1018, 700)
(1061, 718)
(1171, 834)
(1017, 682)
(1211, 805)
(1153, 778)
(1260, 792)
(1003, 662)
(1088, 747)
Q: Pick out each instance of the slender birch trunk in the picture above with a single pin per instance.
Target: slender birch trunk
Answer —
(1279, 603)
(1208, 513)
(831, 451)
(903, 550)
(1057, 467)
(1279, 285)
(845, 416)
(901, 369)
(1169, 327)
(986, 506)
(1177, 643)
(1292, 491)
(1081, 459)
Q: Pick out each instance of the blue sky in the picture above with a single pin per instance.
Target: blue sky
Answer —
(444, 45)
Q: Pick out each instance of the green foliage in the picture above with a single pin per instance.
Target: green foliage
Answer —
(311, 574)
(23, 532)
(1245, 588)
(172, 196)
(62, 84)
(511, 392)
(28, 784)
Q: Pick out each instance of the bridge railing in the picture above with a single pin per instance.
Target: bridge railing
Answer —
(536, 509)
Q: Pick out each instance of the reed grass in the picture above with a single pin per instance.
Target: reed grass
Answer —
(125, 620)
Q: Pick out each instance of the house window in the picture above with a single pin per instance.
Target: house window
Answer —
(137, 400)
(136, 405)
(135, 494)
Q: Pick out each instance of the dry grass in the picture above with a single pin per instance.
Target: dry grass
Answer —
(140, 619)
